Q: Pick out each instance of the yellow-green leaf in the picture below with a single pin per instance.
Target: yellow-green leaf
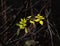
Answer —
(29, 17)
(21, 22)
(24, 25)
(25, 20)
(41, 22)
(21, 19)
(17, 24)
(26, 31)
(21, 27)
(38, 15)
(32, 22)
(41, 17)
(36, 20)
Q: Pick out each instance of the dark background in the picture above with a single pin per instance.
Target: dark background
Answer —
(56, 13)
(16, 4)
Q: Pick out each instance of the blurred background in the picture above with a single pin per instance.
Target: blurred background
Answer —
(12, 10)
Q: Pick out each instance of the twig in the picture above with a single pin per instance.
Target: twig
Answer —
(49, 28)
(31, 6)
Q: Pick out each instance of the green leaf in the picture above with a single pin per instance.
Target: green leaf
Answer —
(41, 22)
(32, 22)
(26, 31)
(36, 20)
(29, 17)
(17, 24)
(21, 27)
